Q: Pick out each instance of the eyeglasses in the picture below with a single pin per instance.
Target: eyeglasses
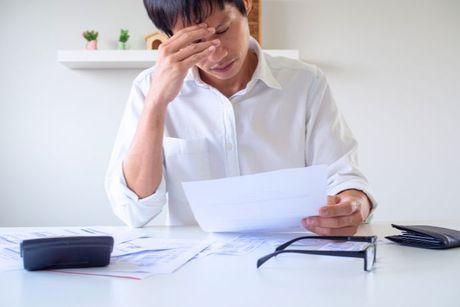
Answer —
(368, 253)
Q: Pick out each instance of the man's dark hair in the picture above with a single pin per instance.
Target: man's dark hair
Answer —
(164, 13)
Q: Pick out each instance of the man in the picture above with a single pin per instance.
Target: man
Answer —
(214, 105)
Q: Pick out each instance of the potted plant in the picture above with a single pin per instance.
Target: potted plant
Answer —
(122, 41)
(91, 37)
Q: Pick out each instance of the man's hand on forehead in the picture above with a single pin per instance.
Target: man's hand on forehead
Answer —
(190, 35)
(175, 56)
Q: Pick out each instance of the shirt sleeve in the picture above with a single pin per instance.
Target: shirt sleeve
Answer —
(330, 141)
(132, 210)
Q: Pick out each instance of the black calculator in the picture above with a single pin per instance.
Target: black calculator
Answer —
(66, 252)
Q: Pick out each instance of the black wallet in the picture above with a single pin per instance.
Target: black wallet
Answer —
(66, 252)
(426, 236)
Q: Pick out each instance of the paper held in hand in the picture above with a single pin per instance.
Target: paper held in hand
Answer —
(275, 200)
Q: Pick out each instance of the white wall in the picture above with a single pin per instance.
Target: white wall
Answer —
(393, 66)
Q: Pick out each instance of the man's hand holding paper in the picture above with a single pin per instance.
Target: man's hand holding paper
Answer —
(341, 216)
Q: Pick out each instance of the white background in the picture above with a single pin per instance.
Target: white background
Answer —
(393, 66)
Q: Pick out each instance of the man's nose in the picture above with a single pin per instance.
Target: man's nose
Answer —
(220, 53)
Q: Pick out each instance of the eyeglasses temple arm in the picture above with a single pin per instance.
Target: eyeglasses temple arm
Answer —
(353, 254)
(371, 239)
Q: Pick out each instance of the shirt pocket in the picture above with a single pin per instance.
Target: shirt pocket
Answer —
(186, 160)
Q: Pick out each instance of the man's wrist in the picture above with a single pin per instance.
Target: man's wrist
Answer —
(155, 106)
(155, 102)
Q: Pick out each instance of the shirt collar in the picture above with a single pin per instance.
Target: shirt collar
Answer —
(262, 72)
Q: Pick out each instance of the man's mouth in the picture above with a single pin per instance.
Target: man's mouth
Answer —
(223, 67)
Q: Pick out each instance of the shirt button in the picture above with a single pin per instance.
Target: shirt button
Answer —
(229, 146)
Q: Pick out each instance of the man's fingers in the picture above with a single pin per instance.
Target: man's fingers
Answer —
(193, 49)
(192, 60)
(185, 30)
(354, 219)
(341, 209)
(344, 231)
(333, 199)
(190, 37)
(341, 216)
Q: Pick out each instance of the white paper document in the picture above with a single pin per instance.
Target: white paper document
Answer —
(230, 244)
(149, 244)
(139, 260)
(10, 258)
(264, 201)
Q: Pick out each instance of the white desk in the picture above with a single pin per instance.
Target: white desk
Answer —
(403, 276)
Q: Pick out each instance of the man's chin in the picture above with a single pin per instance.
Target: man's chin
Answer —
(214, 76)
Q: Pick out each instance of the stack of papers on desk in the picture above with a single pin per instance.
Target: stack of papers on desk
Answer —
(134, 255)
(142, 258)
(276, 200)
(242, 244)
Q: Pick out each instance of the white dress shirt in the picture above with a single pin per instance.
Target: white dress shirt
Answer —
(286, 117)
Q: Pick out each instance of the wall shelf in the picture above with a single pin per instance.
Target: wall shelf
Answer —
(128, 59)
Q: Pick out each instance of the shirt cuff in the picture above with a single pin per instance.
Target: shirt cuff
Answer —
(132, 210)
(356, 185)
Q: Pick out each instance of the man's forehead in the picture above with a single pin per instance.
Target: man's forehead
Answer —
(216, 18)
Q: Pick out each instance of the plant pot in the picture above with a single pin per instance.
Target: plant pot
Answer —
(123, 46)
(91, 45)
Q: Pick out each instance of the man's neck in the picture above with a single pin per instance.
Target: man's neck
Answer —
(231, 86)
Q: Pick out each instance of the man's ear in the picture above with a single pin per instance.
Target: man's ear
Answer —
(248, 6)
